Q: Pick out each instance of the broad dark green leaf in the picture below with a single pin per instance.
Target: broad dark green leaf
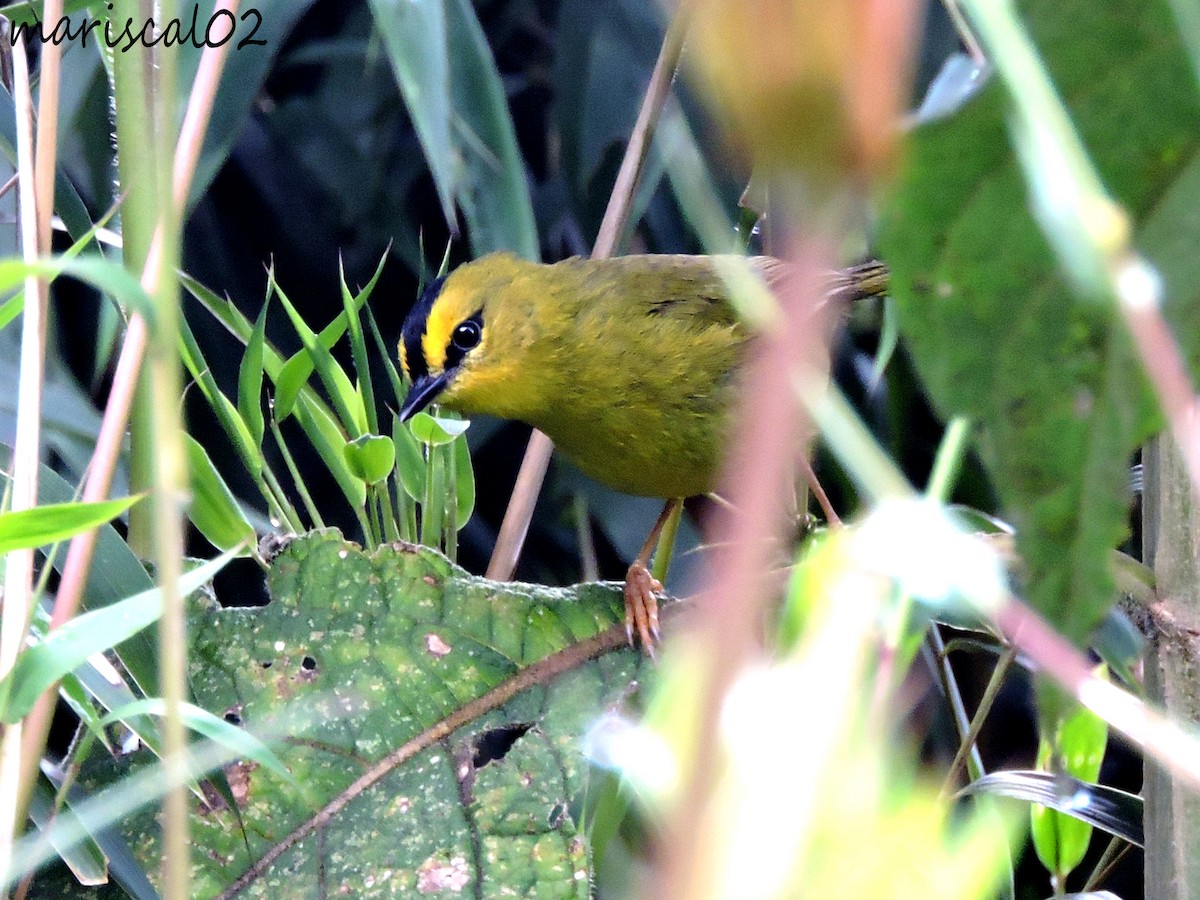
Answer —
(988, 316)
(359, 653)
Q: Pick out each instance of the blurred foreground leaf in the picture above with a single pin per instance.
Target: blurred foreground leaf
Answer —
(988, 316)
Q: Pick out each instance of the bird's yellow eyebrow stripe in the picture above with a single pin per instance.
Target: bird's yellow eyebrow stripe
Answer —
(450, 308)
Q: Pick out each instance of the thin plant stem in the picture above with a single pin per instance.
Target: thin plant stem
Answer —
(962, 722)
(966, 745)
(948, 461)
(18, 565)
(433, 511)
(314, 515)
(589, 568)
(450, 495)
(277, 501)
(374, 536)
(666, 543)
(517, 517)
(1113, 854)
(391, 528)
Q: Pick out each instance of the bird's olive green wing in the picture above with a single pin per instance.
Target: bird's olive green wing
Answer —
(685, 289)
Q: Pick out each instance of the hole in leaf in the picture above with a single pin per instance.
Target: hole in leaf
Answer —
(494, 744)
(241, 583)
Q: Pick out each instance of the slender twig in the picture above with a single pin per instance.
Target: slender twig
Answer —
(940, 660)
(589, 567)
(1115, 852)
(967, 743)
(10, 184)
(616, 217)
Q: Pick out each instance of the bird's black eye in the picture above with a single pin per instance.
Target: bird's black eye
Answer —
(467, 335)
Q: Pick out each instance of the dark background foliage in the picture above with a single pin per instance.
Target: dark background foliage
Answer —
(325, 166)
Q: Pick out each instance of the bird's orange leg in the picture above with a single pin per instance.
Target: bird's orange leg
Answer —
(641, 604)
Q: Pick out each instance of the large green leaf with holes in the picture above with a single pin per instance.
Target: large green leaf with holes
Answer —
(362, 656)
(989, 319)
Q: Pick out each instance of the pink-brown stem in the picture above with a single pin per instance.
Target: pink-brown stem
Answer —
(745, 534)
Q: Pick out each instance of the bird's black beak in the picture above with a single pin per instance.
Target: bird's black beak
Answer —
(423, 392)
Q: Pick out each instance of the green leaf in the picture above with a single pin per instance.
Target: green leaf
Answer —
(410, 463)
(457, 103)
(249, 450)
(328, 440)
(246, 70)
(346, 400)
(464, 483)
(104, 275)
(115, 573)
(434, 430)
(54, 522)
(250, 378)
(358, 344)
(201, 721)
(1077, 749)
(213, 509)
(363, 653)
(85, 859)
(990, 320)
(370, 457)
(68, 646)
(415, 37)
(1121, 646)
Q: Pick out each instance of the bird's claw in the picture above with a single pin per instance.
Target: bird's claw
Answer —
(641, 607)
